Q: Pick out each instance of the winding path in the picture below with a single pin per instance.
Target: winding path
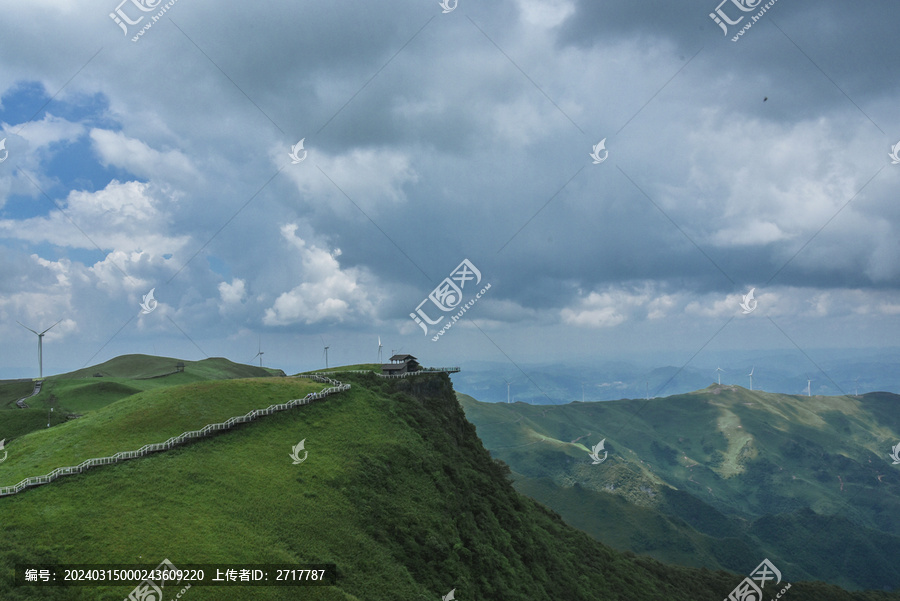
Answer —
(21, 404)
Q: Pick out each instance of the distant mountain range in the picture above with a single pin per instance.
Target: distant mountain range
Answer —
(717, 476)
(833, 372)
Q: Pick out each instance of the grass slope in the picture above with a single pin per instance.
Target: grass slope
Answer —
(13, 390)
(704, 474)
(397, 490)
(145, 418)
(79, 392)
(137, 367)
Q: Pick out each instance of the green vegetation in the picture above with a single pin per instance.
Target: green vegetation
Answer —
(143, 367)
(145, 418)
(397, 491)
(13, 390)
(718, 478)
(78, 392)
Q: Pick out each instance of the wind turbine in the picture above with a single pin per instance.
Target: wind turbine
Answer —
(40, 345)
(719, 375)
(325, 352)
(808, 382)
(857, 387)
(260, 353)
(507, 389)
(751, 377)
(380, 360)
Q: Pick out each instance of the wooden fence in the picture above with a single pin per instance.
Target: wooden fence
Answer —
(177, 440)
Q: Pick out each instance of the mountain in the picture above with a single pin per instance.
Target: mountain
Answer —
(717, 477)
(397, 491)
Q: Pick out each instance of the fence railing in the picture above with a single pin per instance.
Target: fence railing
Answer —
(176, 440)
(424, 370)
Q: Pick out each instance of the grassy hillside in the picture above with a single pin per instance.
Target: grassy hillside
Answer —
(145, 418)
(80, 392)
(13, 390)
(397, 491)
(142, 367)
(716, 477)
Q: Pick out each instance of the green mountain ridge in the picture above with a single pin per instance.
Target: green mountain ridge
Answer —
(397, 491)
(72, 394)
(718, 476)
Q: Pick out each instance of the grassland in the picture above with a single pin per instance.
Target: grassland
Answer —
(77, 393)
(144, 418)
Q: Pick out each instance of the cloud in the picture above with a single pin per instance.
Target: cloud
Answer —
(605, 309)
(327, 294)
(49, 130)
(372, 177)
(233, 293)
(233, 301)
(454, 136)
(115, 148)
(545, 13)
(124, 217)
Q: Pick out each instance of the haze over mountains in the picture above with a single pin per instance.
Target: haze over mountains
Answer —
(832, 371)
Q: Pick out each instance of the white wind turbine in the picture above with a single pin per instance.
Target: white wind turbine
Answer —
(325, 352)
(751, 377)
(259, 353)
(380, 360)
(507, 389)
(40, 345)
(808, 382)
(719, 374)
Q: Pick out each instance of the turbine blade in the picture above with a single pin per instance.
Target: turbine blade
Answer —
(26, 327)
(48, 329)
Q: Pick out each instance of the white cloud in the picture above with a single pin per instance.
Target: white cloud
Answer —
(661, 306)
(545, 13)
(49, 130)
(605, 309)
(755, 182)
(124, 221)
(371, 177)
(115, 148)
(125, 217)
(328, 293)
(718, 306)
(232, 296)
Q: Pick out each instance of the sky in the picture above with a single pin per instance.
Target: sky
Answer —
(573, 181)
